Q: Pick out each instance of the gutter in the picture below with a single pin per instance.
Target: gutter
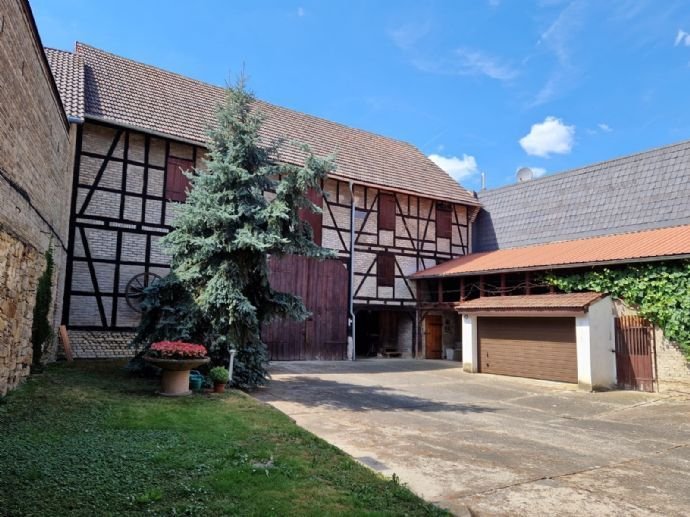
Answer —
(351, 286)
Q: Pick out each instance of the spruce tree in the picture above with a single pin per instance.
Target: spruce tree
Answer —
(226, 231)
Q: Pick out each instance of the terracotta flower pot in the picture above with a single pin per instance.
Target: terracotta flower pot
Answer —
(175, 376)
(219, 387)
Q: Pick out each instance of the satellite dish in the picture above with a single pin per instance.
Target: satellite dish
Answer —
(524, 174)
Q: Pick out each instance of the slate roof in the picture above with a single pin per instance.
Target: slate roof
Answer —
(137, 95)
(645, 190)
(658, 244)
(68, 71)
(530, 303)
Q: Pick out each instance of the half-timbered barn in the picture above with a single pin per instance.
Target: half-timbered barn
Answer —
(388, 212)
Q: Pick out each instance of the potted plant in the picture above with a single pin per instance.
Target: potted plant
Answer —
(220, 377)
(176, 359)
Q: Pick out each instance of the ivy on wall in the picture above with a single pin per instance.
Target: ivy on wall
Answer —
(660, 292)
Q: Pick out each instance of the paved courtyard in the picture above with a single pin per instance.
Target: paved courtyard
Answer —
(492, 445)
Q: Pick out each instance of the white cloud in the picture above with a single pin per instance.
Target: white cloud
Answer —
(406, 36)
(467, 62)
(475, 62)
(604, 127)
(682, 38)
(301, 12)
(458, 168)
(557, 39)
(549, 137)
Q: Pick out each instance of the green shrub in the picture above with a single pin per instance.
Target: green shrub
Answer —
(219, 375)
(41, 330)
(660, 291)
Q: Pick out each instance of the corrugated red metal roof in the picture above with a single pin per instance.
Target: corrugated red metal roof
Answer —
(656, 244)
(528, 303)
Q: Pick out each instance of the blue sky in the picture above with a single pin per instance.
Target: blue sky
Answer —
(484, 86)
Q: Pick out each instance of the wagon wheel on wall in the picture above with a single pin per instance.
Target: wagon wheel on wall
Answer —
(134, 292)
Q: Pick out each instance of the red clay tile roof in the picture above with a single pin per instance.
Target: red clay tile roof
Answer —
(133, 94)
(657, 244)
(529, 303)
(68, 71)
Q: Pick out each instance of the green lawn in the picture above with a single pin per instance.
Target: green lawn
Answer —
(86, 439)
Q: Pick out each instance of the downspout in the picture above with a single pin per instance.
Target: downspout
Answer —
(351, 287)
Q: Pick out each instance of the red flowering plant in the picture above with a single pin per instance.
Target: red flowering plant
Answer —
(176, 350)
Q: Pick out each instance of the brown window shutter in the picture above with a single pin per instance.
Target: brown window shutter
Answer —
(385, 269)
(315, 220)
(176, 183)
(386, 212)
(443, 220)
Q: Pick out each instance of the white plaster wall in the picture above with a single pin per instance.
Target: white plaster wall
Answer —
(596, 360)
(470, 361)
(602, 345)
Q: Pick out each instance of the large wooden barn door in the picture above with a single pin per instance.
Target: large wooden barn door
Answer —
(323, 288)
(634, 341)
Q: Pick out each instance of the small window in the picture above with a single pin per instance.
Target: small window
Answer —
(176, 183)
(385, 269)
(386, 212)
(443, 220)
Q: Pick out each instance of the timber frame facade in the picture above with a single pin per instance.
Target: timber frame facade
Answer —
(122, 204)
(387, 212)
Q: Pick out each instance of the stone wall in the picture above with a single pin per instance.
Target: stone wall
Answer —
(20, 266)
(101, 344)
(35, 184)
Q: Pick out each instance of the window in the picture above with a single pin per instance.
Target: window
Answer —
(315, 220)
(385, 269)
(443, 220)
(386, 212)
(176, 183)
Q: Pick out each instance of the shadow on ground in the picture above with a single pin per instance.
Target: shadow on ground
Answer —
(314, 392)
(367, 366)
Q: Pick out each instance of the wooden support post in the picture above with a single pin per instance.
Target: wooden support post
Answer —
(528, 288)
(552, 289)
(481, 285)
(440, 291)
(462, 288)
(503, 284)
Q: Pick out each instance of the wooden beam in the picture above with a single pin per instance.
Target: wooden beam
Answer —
(64, 337)
(503, 284)
(462, 288)
(481, 285)
(440, 290)
(528, 287)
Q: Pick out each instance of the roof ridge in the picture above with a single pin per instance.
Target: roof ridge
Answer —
(207, 84)
(584, 169)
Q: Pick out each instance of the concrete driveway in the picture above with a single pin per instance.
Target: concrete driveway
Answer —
(495, 445)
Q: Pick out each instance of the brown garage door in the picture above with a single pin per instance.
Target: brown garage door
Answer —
(540, 348)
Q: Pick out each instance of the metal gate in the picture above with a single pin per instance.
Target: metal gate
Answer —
(634, 344)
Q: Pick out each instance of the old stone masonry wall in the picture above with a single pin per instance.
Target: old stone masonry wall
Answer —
(35, 185)
(20, 266)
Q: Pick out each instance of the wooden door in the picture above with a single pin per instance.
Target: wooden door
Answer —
(539, 348)
(433, 337)
(322, 285)
(634, 342)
